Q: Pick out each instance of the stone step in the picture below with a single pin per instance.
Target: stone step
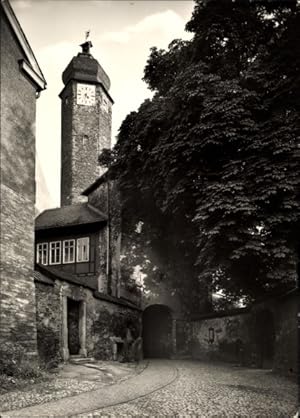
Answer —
(81, 360)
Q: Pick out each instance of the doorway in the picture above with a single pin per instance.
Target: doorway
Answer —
(157, 332)
(265, 338)
(73, 326)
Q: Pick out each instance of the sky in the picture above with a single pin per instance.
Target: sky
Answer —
(122, 33)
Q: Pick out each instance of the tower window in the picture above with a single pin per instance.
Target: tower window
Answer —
(42, 253)
(85, 139)
(69, 251)
(83, 249)
(55, 252)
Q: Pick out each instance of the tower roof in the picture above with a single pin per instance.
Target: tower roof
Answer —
(84, 67)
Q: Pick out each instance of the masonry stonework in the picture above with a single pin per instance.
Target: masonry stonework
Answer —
(264, 335)
(102, 321)
(17, 207)
(48, 316)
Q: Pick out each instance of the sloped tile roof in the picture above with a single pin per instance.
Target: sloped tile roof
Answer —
(55, 273)
(48, 275)
(39, 277)
(79, 214)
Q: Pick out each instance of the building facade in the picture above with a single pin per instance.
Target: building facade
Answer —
(80, 303)
(21, 83)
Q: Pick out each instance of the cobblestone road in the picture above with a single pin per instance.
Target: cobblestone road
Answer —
(202, 390)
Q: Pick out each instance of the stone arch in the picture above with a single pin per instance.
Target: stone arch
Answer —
(157, 331)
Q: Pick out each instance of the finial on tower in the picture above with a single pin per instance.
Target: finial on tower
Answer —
(87, 35)
(87, 45)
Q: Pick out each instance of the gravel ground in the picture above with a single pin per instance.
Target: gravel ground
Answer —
(203, 390)
(61, 385)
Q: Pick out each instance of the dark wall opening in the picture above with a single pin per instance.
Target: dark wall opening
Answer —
(264, 338)
(157, 332)
(73, 326)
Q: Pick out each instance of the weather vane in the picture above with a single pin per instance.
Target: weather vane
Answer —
(87, 45)
(87, 35)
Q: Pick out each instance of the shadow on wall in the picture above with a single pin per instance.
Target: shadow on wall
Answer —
(18, 151)
(262, 333)
(48, 346)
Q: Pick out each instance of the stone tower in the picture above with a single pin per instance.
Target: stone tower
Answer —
(86, 124)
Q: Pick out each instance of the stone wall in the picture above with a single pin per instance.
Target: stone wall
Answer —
(111, 321)
(263, 336)
(104, 317)
(48, 314)
(221, 338)
(17, 165)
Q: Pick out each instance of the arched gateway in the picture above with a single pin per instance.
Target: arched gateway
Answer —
(157, 332)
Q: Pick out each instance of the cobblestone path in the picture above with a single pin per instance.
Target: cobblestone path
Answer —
(207, 390)
(180, 389)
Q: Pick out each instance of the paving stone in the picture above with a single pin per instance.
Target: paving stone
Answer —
(182, 389)
(207, 390)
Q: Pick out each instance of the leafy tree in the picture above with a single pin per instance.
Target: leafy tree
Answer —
(210, 164)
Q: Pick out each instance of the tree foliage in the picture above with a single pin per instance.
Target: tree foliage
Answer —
(210, 165)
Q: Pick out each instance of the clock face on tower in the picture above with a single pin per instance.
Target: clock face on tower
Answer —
(86, 94)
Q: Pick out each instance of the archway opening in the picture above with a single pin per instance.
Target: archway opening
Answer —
(157, 332)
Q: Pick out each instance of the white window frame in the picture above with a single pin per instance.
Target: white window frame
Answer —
(54, 243)
(66, 246)
(81, 242)
(40, 257)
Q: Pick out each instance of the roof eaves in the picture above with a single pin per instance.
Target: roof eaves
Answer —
(95, 184)
(55, 275)
(94, 209)
(32, 68)
(39, 228)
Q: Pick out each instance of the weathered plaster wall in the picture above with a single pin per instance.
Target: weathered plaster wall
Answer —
(17, 173)
(183, 337)
(264, 336)
(101, 260)
(99, 198)
(221, 338)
